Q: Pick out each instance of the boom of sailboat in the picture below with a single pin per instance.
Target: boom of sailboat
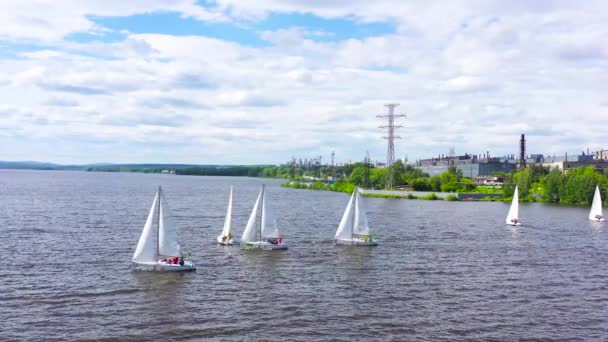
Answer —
(158, 248)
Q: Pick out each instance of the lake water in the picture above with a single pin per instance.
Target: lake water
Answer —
(443, 271)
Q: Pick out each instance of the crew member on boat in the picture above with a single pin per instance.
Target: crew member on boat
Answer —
(275, 241)
(514, 220)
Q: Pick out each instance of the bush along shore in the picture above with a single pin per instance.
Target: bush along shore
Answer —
(348, 188)
(535, 183)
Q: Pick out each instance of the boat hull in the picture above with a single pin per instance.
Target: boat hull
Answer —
(263, 245)
(225, 242)
(164, 267)
(598, 220)
(356, 243)
(514, 224)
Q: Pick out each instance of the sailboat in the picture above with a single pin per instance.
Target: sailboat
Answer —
(157, 249)
(513, 215)
(353, 229)
(226, 237)
(596, 207)
(261, 231)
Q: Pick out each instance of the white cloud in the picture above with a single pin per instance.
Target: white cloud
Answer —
(474, 80)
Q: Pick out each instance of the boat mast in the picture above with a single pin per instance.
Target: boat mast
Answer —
(259, 230)
(160, 203)
(354, 211)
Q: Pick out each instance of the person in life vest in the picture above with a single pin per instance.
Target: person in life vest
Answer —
(175, 260)
(514, 221)
(181, 261)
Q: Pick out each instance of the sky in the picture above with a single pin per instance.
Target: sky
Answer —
(256, 82)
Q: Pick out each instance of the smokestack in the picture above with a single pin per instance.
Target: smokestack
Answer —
(522, 152)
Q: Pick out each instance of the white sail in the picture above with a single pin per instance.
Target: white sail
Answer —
(360, 226)
(228, 220)
(596, 213)
(513, 216)
(345, 229)
(250, 233)
(269, 227)
(167, 235)
(146, 247)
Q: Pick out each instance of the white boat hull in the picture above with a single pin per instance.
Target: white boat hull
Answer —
(163, 266)
(264, 245)
(514, 224)
(356, 243)
(598, 220)
(225, 242)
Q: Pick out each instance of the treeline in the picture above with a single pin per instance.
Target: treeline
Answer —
(450, 181)
(535, 183)
(237, 171)
(576, 186)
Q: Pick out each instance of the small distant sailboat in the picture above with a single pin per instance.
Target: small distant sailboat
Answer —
(596, 213)
(513, 216)
(262, 231)
(157, 249)
(353, 228)
(226, 237)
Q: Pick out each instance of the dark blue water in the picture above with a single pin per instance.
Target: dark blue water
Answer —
(443, 271)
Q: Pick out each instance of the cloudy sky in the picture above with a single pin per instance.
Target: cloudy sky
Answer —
(251, 82)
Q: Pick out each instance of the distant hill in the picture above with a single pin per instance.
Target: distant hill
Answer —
(271, 171)
(33, 165)
(28, 165)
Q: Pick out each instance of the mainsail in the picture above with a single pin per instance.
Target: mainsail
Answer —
(146, 247)
(513, 216)
(345, 229)
(269, 227)
(360, 226)
(228, 220)
(596, 207)
(167, 235)
(250, 233)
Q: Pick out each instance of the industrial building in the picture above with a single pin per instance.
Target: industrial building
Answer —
(471, 166)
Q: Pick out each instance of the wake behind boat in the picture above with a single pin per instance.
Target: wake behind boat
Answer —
(596, 213)
(157, 249)
(353, 229)
(513, 215)
(226, 237)
(262, 232)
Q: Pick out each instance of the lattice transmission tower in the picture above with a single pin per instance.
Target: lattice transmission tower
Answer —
(391, 126)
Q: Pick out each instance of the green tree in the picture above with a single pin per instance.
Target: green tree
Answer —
(435, 183)
(552, 184)
(358, 175)
(378, 178)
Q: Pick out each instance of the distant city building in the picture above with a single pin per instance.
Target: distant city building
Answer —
(471, 166)
(489, 180)
(597, 159)
(477, 166)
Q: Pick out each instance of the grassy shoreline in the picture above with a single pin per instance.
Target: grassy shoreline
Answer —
(431, 196)
(349, 187)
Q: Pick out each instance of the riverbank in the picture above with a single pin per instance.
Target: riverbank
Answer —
(394, 194)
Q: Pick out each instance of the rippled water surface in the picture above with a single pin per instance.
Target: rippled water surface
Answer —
(443, 271)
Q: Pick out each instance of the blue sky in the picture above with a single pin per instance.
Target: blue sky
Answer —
(232, 81)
